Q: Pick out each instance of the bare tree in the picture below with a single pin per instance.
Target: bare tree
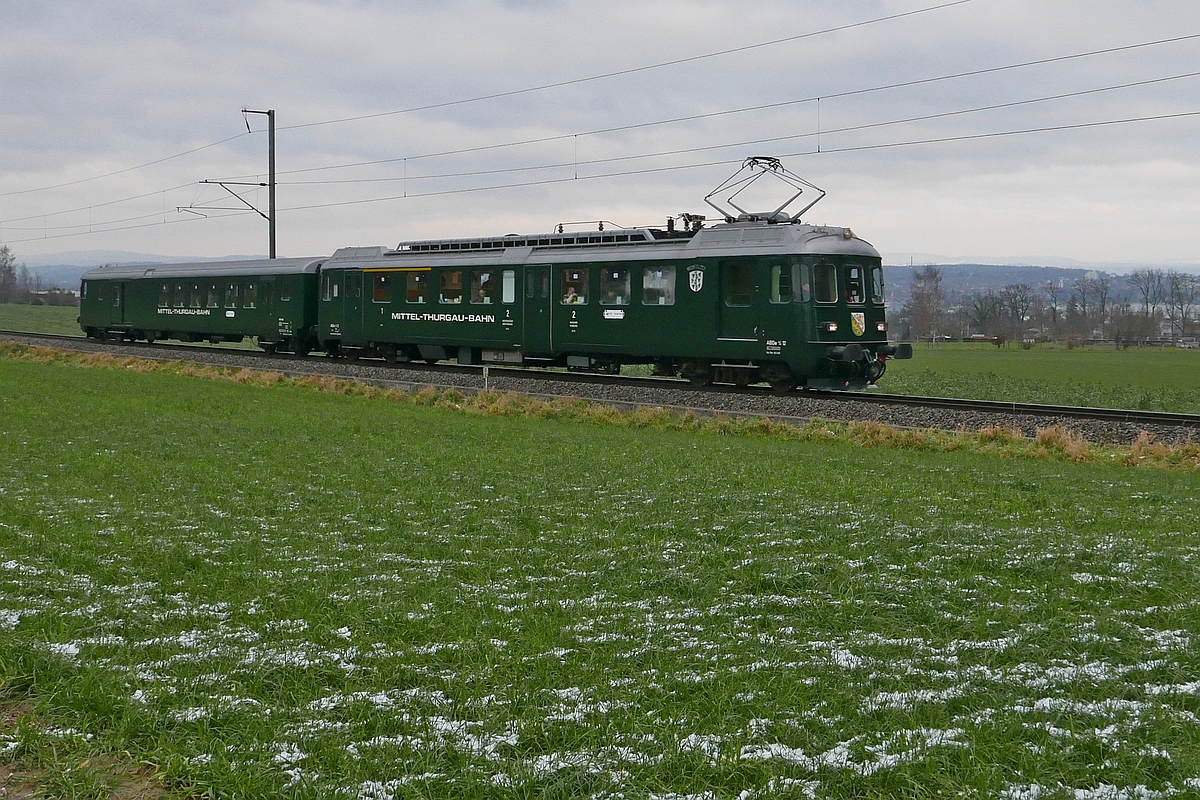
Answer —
(925, 305)
(986, 311)
(24, 285)
(8, 275)
(1017, 299)
(1100, 289)
(1148, 283)
(1053, 290)
(1182, 293)
(1083, 291)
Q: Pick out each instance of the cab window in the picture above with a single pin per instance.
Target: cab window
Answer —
(825, 283)
(574, 286)
(802, 278)
(483, 287)
(781, 284)
(877, 284)
(450, 287)
(855, 291)
(614, 286)
(658, 286)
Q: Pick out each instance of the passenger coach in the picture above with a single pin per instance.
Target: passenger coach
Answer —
(274, 301)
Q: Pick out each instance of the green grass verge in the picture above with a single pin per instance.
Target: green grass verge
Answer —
(277, 592)
(1153, 379)
(58, 320)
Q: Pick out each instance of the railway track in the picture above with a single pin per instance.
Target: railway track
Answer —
(492, 374)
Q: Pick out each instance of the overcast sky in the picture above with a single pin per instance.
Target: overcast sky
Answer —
(88, 89)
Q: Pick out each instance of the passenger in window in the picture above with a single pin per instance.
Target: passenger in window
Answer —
(571, 297)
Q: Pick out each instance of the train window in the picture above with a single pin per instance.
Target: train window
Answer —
(854, 284)
(483, 287)
(416, 287)
(285, 290)
(326, 287)
(381, 288)
(876, 284)
(531, 283)
(658, 286)
(575, 286)
(164, 295)
(781, 284)
(251, 297)
(231, 295)
(545, 279)
(825, 283)
(214, 296)
(739, 284)
(179, 296)
(802, 277)
(194, 296)
(354, 282)
(614, 286)
(117, 296)
(450, 287)
(508, 286)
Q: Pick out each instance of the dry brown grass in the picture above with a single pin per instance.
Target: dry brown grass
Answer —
(1052, 443)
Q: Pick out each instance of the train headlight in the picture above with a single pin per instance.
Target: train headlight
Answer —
(881, 326)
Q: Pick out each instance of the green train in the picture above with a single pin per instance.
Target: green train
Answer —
(756, 298)
(742, 302)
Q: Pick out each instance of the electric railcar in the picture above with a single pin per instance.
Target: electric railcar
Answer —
(759, 297)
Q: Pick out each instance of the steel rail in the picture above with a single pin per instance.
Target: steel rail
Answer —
(1129, 416)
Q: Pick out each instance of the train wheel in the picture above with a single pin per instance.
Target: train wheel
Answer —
(780, 377)
(697, 373)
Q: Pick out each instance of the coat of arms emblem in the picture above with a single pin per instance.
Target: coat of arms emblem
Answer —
(696, 280)
(858, 323)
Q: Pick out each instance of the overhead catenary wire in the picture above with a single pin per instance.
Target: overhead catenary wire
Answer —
(675, 168)
(744, 143)
(509, 93)
(633, 70)
(824, 151)
(746, 109)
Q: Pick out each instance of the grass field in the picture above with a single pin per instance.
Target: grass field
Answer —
(274, 592)
(60, 320)
(1158, 379)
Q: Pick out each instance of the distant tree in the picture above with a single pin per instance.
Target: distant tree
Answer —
(1182, 294)
(1082, 293)
(926, 301)
(1017, 299)
(24, 285)
(1100, 289)
(1053, 290)
(8, 275)
(986, 311)
(1148, 287)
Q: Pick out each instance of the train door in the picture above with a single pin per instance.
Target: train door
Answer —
(352, 317)
(536, 312)
(737, 317)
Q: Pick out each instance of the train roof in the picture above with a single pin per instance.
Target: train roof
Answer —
(722, 240)
(207, 269)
